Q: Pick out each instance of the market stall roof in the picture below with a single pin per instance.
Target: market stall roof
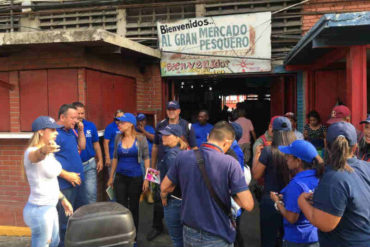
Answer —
(330, 32)
(95, 38)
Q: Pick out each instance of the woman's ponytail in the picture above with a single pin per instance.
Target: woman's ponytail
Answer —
(339, 151)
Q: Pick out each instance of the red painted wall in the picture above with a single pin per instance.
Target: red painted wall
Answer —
(106, 93)
(283, 95)
(44, 91)
(329, 86)
(4, 103)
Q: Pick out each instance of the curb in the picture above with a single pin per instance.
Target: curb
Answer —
(15, 231)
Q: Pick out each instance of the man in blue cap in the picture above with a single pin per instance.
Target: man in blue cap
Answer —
(173, 117)
(110, 133)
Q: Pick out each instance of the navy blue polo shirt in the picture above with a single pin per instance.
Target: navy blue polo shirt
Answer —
(302, 231)
(347, 195)
(68, 155)
(271, 178)
(110, 134)
(91, 135)
(188, 133)
(167, 162)
(202, 132)
(198, 209)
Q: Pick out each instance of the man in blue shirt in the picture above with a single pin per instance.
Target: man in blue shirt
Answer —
(202, 128)
(70, 143)
(173, 117)
(92, 150)
(110, 133)
(205, 223)
(146, 130)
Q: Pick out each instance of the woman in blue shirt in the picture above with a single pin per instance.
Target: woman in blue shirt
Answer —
(340, 208)
(271, 165)
(129, 150)
(305, 166)
(171, 138)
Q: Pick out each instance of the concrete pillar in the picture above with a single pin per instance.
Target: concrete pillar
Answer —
(200, 10)
(29, 23)
(121, 22)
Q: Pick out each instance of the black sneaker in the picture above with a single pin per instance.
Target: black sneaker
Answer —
(153, 234)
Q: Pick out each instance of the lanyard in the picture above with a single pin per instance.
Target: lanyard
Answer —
(212, 146)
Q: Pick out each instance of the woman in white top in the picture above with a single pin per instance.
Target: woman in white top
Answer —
(42, 170)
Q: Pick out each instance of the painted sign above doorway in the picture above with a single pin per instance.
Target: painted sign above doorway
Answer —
(231, 44)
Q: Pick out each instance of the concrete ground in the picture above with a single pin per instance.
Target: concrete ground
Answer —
(249, 228)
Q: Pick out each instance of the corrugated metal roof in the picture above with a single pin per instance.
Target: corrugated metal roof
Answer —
(331, 30)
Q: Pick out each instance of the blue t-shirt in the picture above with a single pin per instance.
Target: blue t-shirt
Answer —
(91, 135)
(202, 132)
(302, 231)
(271, 180)
(239, 153)
(187, 132)
(128, 164)
(347, 195)
(199, 210)
(110, 134)
(68, 155)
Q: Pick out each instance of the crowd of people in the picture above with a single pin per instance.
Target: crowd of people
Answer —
(312, 188)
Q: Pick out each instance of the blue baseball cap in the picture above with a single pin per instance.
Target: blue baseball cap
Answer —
(140, 117)
(172, 129)
(366, 121)
(301, 149)
(342, 129)
(45, 122)
(127, 117)
(173, 105)
(238, 130)
(282, 123)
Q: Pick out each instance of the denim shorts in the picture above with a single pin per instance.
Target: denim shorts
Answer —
(43, 221)
(197, 238)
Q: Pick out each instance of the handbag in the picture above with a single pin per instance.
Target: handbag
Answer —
(224, 208)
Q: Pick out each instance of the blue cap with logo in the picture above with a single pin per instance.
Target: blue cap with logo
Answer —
(172, 129)
(127, 117)
(45, 122)
(301, 149)
(342, 129)
(140, 117)
(238, 130)
(173, 105)
(282, 123)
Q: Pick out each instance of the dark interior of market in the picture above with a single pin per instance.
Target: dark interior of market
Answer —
(210, 93)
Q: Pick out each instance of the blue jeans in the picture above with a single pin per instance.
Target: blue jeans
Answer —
(172, 216)
(77, 197)
(199, 238)
(43, 221)
(90, 180)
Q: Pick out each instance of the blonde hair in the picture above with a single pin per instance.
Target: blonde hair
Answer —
(35, 140)
(133, 132)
